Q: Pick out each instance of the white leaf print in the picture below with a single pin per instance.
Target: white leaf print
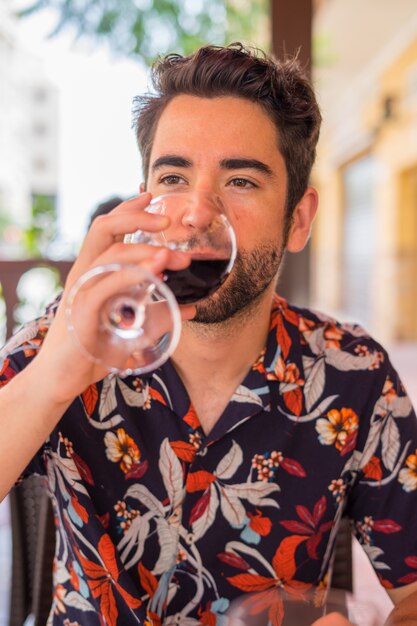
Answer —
(243, 394)
(108, 424)
(373, 552)
(308, 363)
(231, 507)
(26, 333)
(394, 472)
(203, 523)
(132, 397)
(230, 462)
(142, 493)
(70, 473)
(61, 574)
(346, 362)
(108, 401)
(237, 546)
(309, 417)
(254, 492)
(372, 442)
(134, 537)
(381, 406)
(316, 341)
(171, 471)
(77, 601)
(168, 544)
(270, 502)
(314, 386)
(400, 406)
(390, 443)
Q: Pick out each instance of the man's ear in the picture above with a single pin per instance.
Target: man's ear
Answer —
(302, 220)
(142, 188)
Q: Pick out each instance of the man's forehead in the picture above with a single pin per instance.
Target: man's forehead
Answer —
(223, 127)
(228, 105)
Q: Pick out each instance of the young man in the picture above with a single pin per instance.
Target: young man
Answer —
(227, 470)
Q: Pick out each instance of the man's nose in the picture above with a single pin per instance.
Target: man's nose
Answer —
(201, 210)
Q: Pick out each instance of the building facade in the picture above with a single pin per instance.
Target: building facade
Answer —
(364, 249)
(28, 133)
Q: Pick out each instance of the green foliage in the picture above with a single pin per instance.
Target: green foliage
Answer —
(4, 221)
(148, 28)
(42, 228)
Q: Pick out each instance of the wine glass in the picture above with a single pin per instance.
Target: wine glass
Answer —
(200, 228)
(138, 322)
(302, 609)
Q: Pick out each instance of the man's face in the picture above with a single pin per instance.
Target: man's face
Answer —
(227, 147)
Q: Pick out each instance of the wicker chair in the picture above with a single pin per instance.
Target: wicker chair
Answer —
(33, 538)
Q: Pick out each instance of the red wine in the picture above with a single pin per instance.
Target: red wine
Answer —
(198, 280)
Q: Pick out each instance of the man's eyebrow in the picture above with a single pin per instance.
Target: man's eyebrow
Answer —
(172, 160)
(242, 163)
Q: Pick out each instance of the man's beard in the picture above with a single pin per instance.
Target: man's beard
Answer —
(251, 275)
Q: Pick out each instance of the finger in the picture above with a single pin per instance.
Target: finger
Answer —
(128, 217)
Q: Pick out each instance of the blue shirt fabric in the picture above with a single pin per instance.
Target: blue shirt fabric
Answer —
(158, 523)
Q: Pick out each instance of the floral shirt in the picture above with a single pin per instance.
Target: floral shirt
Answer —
(158, 523)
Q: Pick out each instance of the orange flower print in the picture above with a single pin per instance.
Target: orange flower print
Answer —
(338, 489)
(332, 335)
(408, 475)
(388, 391)
(287, 373)
(121, 447)
(306, 326)
(259, 364)
(339, 428)
(59, 595)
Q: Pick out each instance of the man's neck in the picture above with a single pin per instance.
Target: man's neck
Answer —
(228, 349)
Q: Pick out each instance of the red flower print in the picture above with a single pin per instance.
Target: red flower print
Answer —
(284, 567)
(411, 577)
(102, 578)
(309, 524)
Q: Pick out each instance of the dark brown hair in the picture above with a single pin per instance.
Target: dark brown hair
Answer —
(281, 88)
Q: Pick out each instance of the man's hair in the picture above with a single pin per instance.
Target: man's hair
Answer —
(281, 88)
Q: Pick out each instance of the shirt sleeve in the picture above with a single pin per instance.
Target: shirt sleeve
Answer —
(15, 355)
(383, 500)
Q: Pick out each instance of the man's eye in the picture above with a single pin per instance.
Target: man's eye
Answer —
(242, 182)
(171, 179)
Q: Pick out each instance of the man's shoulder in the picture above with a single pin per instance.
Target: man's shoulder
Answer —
(320, 332)
(22, 346)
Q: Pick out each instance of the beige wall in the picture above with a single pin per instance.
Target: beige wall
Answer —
(376, 114)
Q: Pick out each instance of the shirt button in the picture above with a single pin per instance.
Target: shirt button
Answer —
(177, 618)
(189, 538)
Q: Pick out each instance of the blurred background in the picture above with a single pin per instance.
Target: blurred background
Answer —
(68, 72)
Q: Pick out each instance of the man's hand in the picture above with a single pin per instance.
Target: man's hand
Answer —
(332, 619)
(60, 354)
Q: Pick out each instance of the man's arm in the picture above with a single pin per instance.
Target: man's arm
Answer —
(28, 413)
(404, 612)
(33, 401)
